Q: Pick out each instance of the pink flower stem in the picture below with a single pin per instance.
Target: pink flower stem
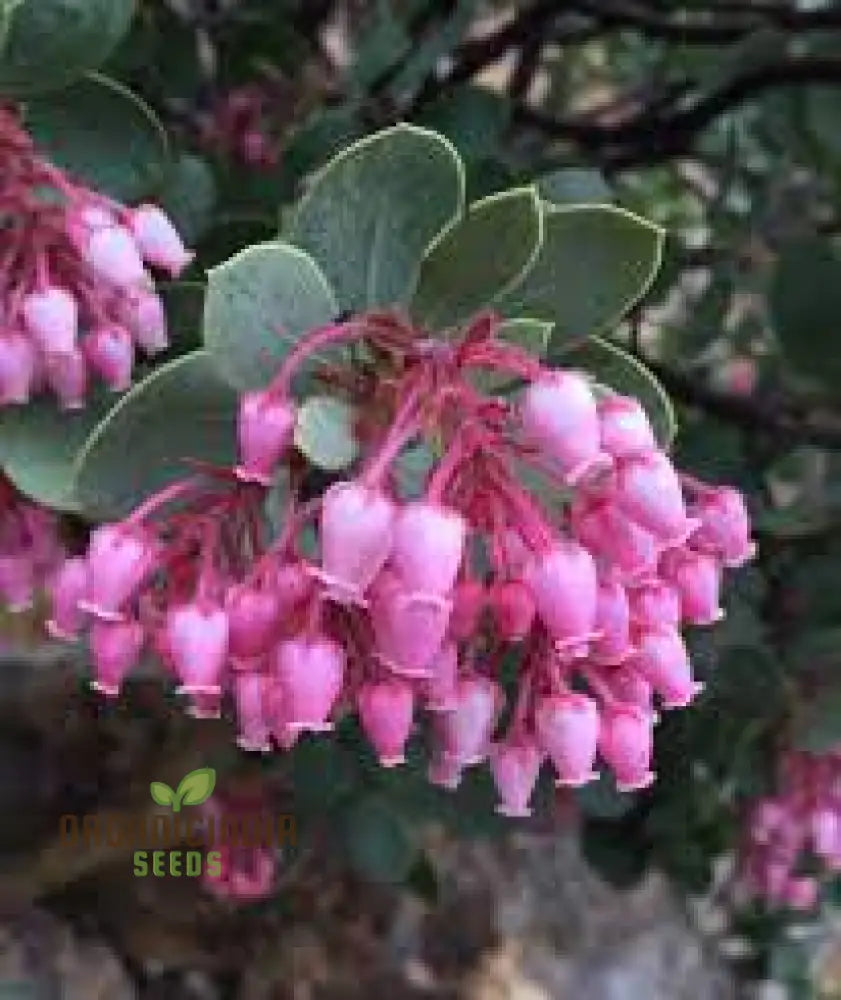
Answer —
(164, 496)
(406, 425)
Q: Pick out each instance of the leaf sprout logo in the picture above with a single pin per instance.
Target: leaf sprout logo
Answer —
(175, 842)
(193, 789)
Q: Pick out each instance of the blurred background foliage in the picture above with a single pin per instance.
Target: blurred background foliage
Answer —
(720, 120)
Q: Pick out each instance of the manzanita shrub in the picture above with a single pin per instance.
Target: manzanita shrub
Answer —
(380, 477)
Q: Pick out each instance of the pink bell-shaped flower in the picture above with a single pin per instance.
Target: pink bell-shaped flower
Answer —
(697, 579)
(662, 659)
(17, 367)
(465, 732)
(515, 767)
(567, 729)
(67, 376)
(357, 528)
(17, 581)
(625, 430)
(264, 430)
(253, 615)
(291, 584)
(51, 317)
(469, 597)
(409, 628)
(309, 674)
(625, 743)
(825, 827)
(158, 240)
(115, 648)
(648, 491)
(615, 539)
(197, 637)
(428, 546)
(68, 586)
(246, 874)
(143, 314)
(439, 690)
(725, 526)
(559, 416)
(110, 353)
(613, 622)
(564, 586)
(252, 697)
(767, 818)
(120, 556)
(655, 605)
(627, 685)
(112, 253)
(513, 610)
(802, 892)
(386, 710)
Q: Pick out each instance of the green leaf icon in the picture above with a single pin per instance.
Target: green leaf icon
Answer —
(195, 788)
(162, 794)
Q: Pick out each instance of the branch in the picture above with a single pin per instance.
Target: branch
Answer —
(717, 25)
(787, 421)
(649, 135)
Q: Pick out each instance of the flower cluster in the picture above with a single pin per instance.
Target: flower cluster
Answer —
(247, 867)
(76, 298)
(411, 605)
(238, 126)
(30, 547)
(802, 820)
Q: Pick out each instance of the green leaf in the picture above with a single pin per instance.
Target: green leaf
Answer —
(182, 411)
(530, 335)
(479, 259)
(195, 788)
(103, 135)
(324, 432)
(575, 186)
(379, 844)
(601, 800)
(372, 211)
(39, 444)
(49, 43)
(816, 726)
(595, 263)
(474, 120)
(805, 298)
(258, 304)
(620, 371)
(189, 196)
(162, 794)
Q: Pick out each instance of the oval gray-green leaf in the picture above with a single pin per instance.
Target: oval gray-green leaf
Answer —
(196, 787)
(575, 186)
(324, 432)
(182, 411)
(370, 214)
(596, 262)
(49, 43)
(259, 303)
(102, 134)
(39, 444)
(531, 335)
(476, 261)
(621, 372)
